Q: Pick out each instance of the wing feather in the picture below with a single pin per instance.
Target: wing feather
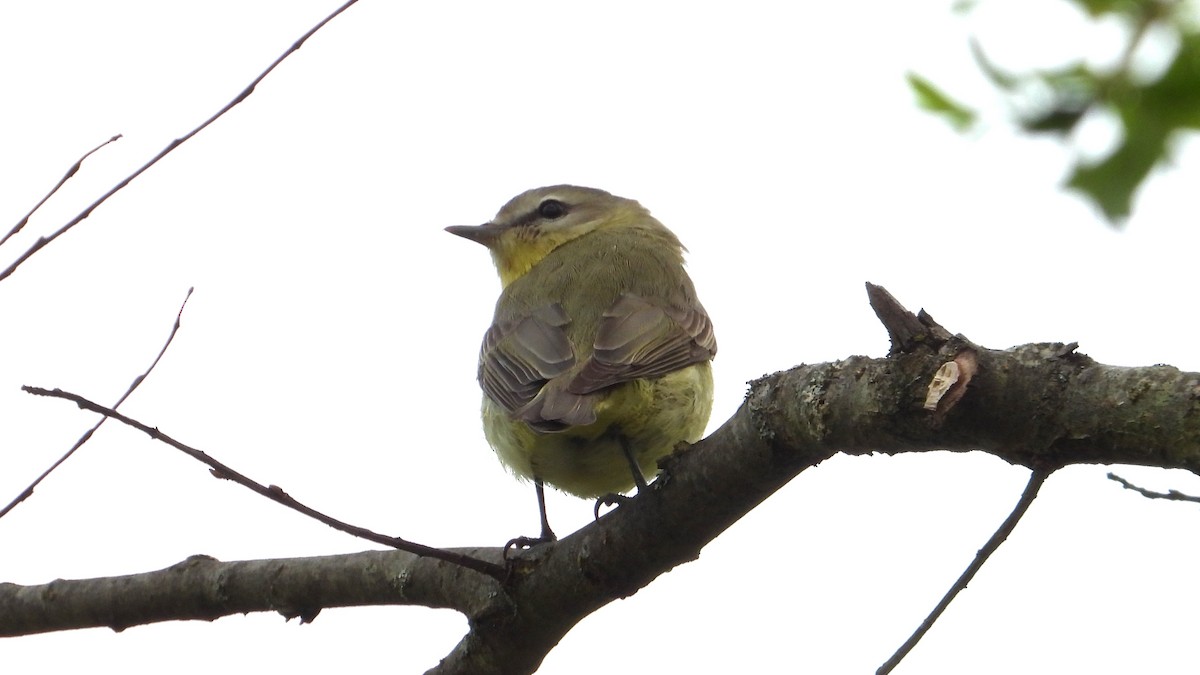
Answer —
(523, 361)
(519, 357)
(638, 339)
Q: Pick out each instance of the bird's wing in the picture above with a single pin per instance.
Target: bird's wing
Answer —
(518, 357)
(638, 339)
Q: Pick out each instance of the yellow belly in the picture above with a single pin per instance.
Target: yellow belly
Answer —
(587, 461)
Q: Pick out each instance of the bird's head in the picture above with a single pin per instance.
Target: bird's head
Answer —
(534, 223)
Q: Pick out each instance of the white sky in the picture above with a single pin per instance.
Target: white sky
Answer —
(330, 345)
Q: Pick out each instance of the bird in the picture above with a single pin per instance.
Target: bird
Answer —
(598, 359)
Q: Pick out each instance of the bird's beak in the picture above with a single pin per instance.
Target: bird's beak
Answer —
(485, 234)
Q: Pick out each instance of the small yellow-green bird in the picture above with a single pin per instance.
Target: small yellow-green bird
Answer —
(597, 362)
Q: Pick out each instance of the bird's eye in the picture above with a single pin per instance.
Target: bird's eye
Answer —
(552, 209)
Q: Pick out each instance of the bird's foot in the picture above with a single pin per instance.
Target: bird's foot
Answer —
(523, 543)
(610, 499)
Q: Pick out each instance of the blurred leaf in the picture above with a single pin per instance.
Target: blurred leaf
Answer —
(1175, 97)
(1099, 7)
(932, 99)
(1150, 114)
(1075, 81)
(998, 77)
(1073, 91)
(1112, 182)
(1057, 121)
(1131, 8)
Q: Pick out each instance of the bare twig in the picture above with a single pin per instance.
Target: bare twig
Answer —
(905, 329)
(274, 492)
(70, 172)
(1174, 495)
(1036, 479)
(43, 241)
(28, 492)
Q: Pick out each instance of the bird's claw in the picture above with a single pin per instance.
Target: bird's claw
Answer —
(522, 543)
(610, 499)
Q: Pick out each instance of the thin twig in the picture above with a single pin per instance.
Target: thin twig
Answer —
(1174, 495)
(43, 241)
(70, 172)
(274, 492)
(28, 492)
(1036, 479)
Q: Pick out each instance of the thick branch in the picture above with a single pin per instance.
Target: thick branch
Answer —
(1040, 405)
(203, 588)
(1035, 405)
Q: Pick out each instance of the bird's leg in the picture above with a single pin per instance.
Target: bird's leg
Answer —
(547, 534)
(639, 480)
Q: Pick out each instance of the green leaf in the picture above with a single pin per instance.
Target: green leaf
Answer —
(1073, 91)
(1133, 8)
(1175, 98)
(1111, 183)
(932, 99)
(1059, 121)
(1099, 7)
(1151, 115)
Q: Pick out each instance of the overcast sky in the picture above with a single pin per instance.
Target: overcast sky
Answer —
(330, 345)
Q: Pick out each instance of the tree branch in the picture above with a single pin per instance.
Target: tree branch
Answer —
(272, 492)
(1033, 405)
(87, 435)
(62, 181)
(1036, 479)
(42, 242)
(203, 588)
(1172, 495)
